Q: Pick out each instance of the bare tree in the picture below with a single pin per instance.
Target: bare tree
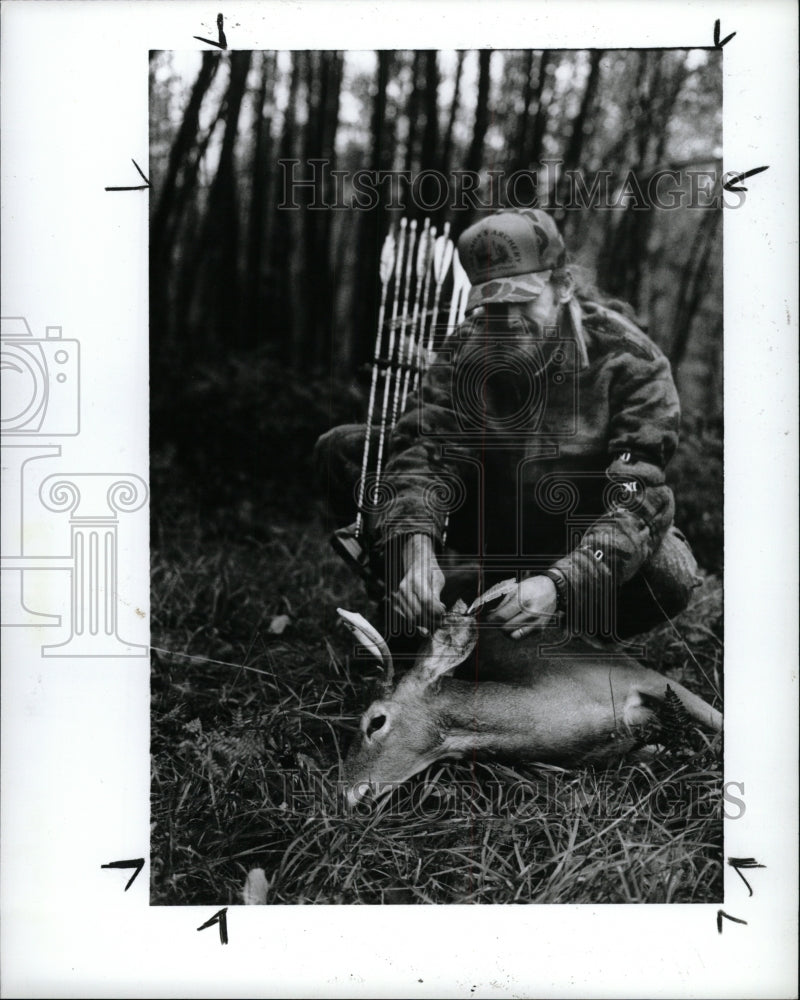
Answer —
(260, 176)
(694, 280)
(412, 111)
(216, 264)
(176, 193)
(474, 160)
(382, 130)
(581, 123)
(430, 136)
(447, 148)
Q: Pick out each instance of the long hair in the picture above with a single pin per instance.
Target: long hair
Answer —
(587, 292)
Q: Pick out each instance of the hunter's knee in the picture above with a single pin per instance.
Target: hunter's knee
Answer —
(337, 467)
(672, 573)
(338, 446)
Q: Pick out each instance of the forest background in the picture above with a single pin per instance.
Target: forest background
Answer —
(263, 317)
(262, 328)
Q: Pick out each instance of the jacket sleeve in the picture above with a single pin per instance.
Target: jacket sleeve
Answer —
(420, 486)
(644, 424)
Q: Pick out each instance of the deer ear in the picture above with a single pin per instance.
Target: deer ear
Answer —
(448, 647)
(369, 637)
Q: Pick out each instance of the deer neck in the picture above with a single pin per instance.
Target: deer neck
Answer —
(484, 718)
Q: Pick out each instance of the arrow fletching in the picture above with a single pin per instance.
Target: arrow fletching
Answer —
(412, 235)
(458, 300)
(387, 258)
(401, 245)
(442, 255)
(422, 250)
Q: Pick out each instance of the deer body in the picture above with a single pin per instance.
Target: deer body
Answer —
(580, 708)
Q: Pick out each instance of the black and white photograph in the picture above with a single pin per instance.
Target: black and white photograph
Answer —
(399, 439)
(474, 654)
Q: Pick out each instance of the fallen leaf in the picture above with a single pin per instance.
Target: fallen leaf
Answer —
(256, 888)
(278, 624)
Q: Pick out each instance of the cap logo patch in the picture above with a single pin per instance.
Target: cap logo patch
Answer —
(499, 253)
(493, 249)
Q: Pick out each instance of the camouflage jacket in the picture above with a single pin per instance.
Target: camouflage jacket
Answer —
(549, 451)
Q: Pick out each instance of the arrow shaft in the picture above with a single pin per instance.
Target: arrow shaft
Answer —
(427, 317)
(401, 347)
(387, 382)
(413, 340)
(371, 407)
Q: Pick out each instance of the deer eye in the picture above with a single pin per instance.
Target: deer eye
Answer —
(375, 723)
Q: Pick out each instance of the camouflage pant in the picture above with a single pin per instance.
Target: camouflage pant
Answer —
(661, 589)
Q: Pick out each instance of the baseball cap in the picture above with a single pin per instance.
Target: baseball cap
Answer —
(510, 255)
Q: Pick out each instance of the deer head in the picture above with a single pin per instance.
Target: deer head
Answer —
(402, 732)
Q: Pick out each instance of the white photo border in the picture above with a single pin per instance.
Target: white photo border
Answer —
(75, 791)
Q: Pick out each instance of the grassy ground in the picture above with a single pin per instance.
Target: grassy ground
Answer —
(254, 702)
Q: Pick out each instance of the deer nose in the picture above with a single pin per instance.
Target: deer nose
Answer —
(353, 794)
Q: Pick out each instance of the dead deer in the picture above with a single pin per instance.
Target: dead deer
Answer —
(569, 710)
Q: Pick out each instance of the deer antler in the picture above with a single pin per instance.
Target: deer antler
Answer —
(371, 639)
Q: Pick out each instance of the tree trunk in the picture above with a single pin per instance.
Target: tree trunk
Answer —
(280, 249)
(257, 214)
(302, 222)
(542, 96)
(447, 148)
(220, 239)
(322, 266)
(184, 140)
(694, 282)
(430, 136)
(580, 131)
(624, 259)
(372, 220)
(412, 113)
(179, 183)
(474, 159)
(518, 143)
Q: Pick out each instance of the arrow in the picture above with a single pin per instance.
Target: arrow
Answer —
(218, 918)
(717, 43)
(736, 178)
(139, 187)
(458, 300)
(737, 863)
(721, 914)
(223, 42)
(137, 863)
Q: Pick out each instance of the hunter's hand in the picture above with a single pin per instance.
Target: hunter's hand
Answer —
(418, 596)
(531, 605)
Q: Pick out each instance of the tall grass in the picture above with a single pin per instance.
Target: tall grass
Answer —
(251, 716)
